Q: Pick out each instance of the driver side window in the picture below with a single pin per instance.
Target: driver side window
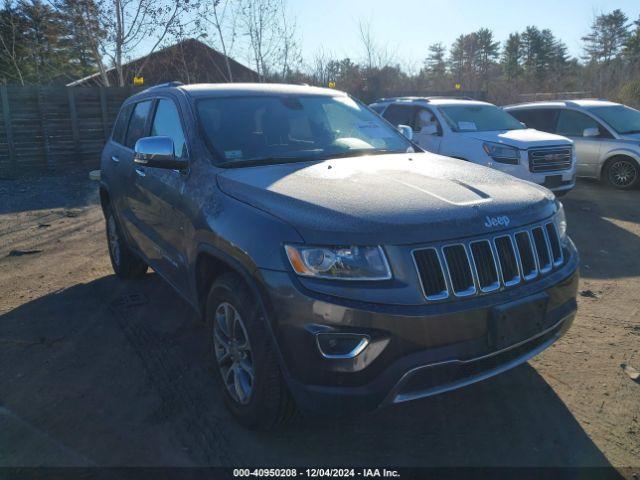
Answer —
(426, 120)
(573, 124)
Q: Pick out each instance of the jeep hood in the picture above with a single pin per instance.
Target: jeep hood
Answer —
(387, 199)
(522, 139)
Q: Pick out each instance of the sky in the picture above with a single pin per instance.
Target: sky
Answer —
(408, 27)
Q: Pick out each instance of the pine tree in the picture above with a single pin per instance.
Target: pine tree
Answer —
(608, 35)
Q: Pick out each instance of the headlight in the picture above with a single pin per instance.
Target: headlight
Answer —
(502, 153)
(339, 263)
(561, 223)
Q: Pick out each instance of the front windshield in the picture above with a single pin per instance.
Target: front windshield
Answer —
(622, 119)
(478, 118)
(263, 129)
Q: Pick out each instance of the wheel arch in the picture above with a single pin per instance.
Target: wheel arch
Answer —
(209, 257)
(611, 156)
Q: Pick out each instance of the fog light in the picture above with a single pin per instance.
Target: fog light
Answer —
(341, 345)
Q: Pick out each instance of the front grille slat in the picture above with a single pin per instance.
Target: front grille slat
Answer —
(455, 256)
(554, 243)
(507, 260)
(431, 274)
(542, 249)
(481, 266)
(550, 159)
(485, 266)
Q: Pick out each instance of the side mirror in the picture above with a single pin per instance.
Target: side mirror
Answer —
(591, 132)
(157, 152)
(429, 129)
(406, 130)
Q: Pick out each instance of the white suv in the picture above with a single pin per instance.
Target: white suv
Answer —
(482, 133)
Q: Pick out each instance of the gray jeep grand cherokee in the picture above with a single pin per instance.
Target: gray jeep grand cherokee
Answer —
(338, 267)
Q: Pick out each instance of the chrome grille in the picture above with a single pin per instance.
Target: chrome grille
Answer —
(486, 265)
(550, 159)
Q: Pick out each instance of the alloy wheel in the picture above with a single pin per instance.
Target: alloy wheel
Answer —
(233, 353)
(622, 173)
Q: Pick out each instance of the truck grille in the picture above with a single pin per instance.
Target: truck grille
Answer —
(487, 265)
(550, 159)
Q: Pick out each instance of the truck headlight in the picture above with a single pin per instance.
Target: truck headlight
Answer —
(561, 223)
(339, 263)
(502, 153)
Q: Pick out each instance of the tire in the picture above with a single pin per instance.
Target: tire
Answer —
(244, 358)
(622, 173)
(125, 263)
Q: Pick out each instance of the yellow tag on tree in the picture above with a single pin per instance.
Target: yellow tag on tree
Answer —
(137, 81)
(458, 86)
(332, 84)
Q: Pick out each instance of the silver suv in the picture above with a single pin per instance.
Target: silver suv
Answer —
(606, 135)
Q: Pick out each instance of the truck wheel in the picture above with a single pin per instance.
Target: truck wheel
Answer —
(125, 263)
(246, 367)
(622, 173)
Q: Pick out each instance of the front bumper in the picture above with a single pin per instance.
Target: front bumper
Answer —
(414, 351)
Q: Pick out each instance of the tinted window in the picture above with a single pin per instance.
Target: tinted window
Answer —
(478, 118)
(572, 123)
(543, 119)
(266, 129)
(400, 114)
(167, 122)
(137, 123)
(120, 127)
(623, 119)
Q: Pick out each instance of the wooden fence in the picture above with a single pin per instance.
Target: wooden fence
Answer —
(53, 127)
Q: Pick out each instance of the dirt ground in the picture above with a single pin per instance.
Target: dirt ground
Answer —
(98, 371)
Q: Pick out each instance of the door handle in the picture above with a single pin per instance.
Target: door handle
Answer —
(140, 172)
(115, 159)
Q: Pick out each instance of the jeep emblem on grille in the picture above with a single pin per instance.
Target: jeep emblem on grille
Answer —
(502, 221)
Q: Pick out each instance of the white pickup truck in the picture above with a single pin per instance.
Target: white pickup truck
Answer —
(482, 133)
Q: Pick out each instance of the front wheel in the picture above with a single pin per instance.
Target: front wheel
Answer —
(125, 263)
(244, 356)
(622, 173)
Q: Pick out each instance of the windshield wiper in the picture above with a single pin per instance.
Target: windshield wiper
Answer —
(252, 162)
(630, 131)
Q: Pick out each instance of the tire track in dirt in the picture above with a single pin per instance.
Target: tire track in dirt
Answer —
(203, 433)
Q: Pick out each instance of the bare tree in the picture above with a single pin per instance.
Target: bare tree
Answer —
(9, 38)
(290, 54)
(260, 22)
(376, 55)
(223, 19)
(131, 23)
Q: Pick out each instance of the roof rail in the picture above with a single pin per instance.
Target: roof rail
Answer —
(424, 99)
(175, 83)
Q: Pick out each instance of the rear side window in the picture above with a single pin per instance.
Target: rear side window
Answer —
(400, 115)
(543, 119)
(120, 127)
(572, 123)
(166, 122)
(137, 123)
